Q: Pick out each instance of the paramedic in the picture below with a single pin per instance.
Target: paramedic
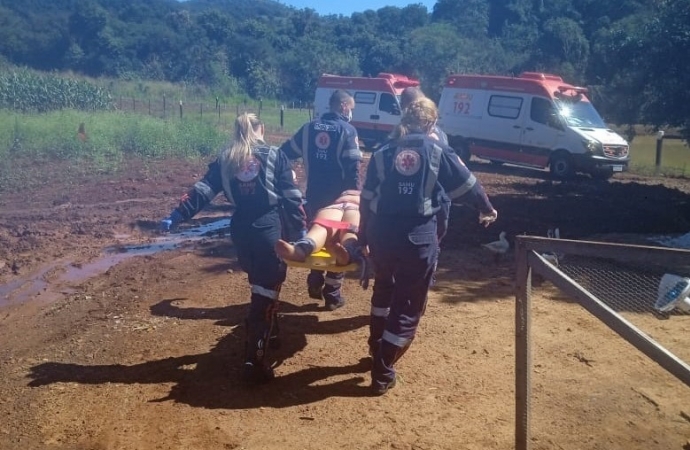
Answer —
(257, 179)
(331, 156)
(398, 207)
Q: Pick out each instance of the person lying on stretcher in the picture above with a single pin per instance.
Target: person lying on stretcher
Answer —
(333, 228)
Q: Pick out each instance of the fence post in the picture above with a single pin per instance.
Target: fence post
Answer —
(282, 116)
(201, 111)
(659, 145)
(134, 104)
(261, 104)
(149, 106)
(180, 109)
(164, 105)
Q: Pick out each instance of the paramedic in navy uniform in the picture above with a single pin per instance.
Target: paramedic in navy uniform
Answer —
(330, 152)
(398, 206)
(258, 180)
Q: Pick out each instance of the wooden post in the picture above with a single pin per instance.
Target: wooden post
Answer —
(659, 145)
(164, 105)
(180, 109)
(282, 116)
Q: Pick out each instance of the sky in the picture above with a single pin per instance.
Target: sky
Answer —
(347, 7)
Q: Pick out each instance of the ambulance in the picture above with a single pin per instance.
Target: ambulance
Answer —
(534, 120)
(377, 102)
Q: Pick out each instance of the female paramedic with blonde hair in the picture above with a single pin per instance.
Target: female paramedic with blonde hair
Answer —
(258, 180)
(398, 206)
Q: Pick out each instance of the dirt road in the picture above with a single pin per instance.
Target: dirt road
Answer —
(110, 344)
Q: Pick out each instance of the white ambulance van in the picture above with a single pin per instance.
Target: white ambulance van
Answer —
(377, 102)
(534, 120)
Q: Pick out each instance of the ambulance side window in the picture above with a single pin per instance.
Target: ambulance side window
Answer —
(505, 106)
(365, 98)
(388, 103)
(542, 111)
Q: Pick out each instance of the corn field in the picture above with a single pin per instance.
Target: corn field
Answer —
(30, 92)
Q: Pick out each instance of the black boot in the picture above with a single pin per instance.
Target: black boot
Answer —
(256, 370)
(383, 376)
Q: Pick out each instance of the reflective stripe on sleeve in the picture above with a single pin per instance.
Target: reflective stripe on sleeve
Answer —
(271, 176)
(464, 188)
(205, 190)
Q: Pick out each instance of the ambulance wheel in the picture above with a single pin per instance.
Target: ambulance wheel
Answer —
(561, 165)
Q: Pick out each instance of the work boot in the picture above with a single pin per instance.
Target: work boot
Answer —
(331, 291)
(383, 375)
(315, 282)
(381, 387)
(256, 369)
(333, 304)
(274, 338)
(256, 372)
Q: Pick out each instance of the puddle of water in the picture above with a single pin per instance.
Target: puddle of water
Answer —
(27, 287)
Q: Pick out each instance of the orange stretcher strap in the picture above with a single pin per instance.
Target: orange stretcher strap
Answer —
(322, 260)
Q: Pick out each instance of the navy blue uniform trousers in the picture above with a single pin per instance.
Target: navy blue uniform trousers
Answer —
(404, 252)
(254, 241)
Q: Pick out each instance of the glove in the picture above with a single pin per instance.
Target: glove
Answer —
(171, 221)
(366, 272)
(360, 253)
(488, 219)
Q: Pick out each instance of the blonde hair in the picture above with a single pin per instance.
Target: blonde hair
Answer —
(420, 116)
(247, 137)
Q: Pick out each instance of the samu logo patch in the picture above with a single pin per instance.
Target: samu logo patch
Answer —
(322, 140)
(407, 162)
(249, 170)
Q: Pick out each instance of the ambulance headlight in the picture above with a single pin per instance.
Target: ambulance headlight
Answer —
(593, 146)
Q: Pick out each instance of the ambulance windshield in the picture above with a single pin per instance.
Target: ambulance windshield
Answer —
(580, 114)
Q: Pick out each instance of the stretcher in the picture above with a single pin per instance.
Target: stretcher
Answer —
(322, 260)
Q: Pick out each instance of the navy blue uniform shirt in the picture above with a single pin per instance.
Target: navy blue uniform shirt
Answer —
(330, 151)
(263, 184)
(406, 178)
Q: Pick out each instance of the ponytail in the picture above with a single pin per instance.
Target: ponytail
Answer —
(247, 137)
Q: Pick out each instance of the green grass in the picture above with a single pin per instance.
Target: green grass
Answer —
(675, 156)
(29, 141)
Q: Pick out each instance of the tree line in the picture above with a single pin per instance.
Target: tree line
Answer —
(631, 53)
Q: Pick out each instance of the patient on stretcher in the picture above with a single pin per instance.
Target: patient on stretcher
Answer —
(334, 228)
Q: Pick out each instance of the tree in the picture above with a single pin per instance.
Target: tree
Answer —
(469, 17)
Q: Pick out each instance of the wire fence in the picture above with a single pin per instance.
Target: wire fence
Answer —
(642, 293)
(277, 116)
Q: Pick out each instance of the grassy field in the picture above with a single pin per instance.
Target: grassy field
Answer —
(199, 130)
(675, 156)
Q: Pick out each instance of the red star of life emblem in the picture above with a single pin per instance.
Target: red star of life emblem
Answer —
(407, 162)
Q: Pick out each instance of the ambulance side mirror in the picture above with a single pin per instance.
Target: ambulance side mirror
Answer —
(395, 110)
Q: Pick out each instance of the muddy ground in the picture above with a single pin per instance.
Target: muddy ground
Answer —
(106, 345)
